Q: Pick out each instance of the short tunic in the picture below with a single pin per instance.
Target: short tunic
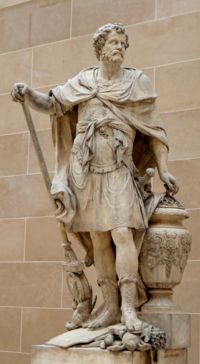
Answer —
(101, 173)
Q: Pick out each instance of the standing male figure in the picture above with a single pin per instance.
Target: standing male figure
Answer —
(118, 135)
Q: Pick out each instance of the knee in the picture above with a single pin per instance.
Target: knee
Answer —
(121, 235)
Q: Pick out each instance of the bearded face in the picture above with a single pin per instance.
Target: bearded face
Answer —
(113, 50)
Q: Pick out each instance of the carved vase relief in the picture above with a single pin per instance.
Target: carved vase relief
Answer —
(164, 253)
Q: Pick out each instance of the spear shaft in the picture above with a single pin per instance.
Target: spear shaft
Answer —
(76, 279)
(45, 175)
(38, 149)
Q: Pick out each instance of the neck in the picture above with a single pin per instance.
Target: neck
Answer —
(110, 71)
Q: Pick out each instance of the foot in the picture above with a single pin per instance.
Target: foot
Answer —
(96, 313)
(106, 318)
(129, 318)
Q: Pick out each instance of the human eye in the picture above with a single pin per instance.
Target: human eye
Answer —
(113, 41)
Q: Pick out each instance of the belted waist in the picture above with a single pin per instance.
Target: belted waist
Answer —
(95, 168)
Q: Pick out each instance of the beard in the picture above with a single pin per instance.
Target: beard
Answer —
(109, 57)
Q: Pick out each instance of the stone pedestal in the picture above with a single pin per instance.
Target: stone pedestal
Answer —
(176, 326)
(46, 354)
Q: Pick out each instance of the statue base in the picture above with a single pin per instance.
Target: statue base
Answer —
(59, 349)
(46, 354)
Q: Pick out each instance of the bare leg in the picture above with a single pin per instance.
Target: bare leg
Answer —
(103, 255)
(105, 267)
(127, 269)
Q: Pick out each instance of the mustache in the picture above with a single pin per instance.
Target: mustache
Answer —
(116, 52)
(108, 56)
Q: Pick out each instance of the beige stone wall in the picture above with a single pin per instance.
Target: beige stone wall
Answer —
(43, 42)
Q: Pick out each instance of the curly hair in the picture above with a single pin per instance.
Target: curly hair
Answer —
(101, 36)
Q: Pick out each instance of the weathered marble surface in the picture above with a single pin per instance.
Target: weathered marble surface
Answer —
(176, 326)
(43, 354)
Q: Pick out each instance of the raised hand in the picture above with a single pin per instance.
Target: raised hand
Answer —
(18, 91)
(170, 182)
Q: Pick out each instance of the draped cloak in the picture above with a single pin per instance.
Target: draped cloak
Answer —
(131, 100)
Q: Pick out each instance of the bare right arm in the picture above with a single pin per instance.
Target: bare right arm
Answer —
(37, 100)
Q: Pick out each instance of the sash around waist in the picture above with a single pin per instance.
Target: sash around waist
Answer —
(91, 126)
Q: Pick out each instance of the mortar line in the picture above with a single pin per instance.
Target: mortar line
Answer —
(71, 17)
(193, 260)
(31, 66)
(180, 110)
(38, 308)
(15, 51)
(20, 338)
(23, 132)
(154, 77)
(13, 3)
(174, 63)
(25, 233)
(183, 159)
(13, 133)
(24, 174)
(156, 9)
(4, 93)
(28, 153)
(62, 289)
(162, 18)
(199, 350)
(27, 217)
(177, 14)
(31, 261)
(15, 352)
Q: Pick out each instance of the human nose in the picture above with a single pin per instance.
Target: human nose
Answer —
(119, 45)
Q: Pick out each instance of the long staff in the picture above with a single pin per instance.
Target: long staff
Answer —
(76, 279)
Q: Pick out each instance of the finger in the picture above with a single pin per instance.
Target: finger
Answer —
(176, 189)
(174, 184)
(22, 89)
(16, 87)
(16, 97)
(13, 96)
(170, 186)
(16, 94)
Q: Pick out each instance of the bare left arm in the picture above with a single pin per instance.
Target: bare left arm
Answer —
(161, 156)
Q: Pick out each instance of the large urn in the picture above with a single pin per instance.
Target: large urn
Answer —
(164, 254)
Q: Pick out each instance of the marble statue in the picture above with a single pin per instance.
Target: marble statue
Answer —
(102, 184)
